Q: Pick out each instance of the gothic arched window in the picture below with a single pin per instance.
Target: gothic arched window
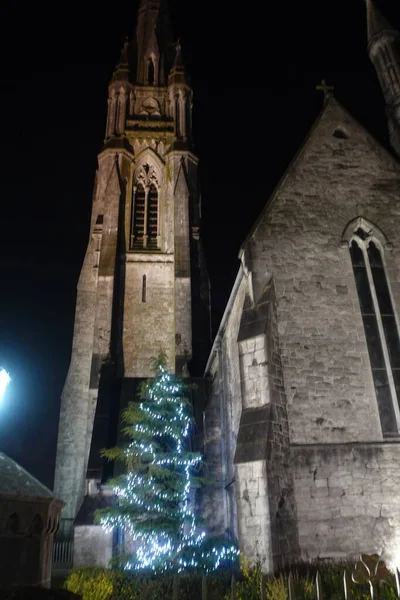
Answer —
(36, 527)
(380, 325)
(144, 230)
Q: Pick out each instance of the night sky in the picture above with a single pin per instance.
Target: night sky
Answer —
(254, 71)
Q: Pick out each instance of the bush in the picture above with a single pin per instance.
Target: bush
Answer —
(303, 576)
(91, 583)
(276, 588)
(249, 587)
(112, 584)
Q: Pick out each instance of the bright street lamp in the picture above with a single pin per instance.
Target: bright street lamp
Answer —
(4, 381)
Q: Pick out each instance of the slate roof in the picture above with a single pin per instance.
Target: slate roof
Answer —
(15, 481)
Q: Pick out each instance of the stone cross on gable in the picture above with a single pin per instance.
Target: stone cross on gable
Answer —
(324, 87)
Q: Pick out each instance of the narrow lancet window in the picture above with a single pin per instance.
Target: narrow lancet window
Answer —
(380, 326)
(144, 288)
(177, 117)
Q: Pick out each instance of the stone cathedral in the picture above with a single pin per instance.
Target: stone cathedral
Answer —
(300, 421)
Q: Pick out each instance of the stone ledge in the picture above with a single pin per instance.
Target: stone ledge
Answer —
(378, 444)
(148, 257)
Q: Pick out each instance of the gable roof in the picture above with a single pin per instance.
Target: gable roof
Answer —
(15, 481)
(331, 105)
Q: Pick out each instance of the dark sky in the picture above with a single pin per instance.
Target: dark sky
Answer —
(254, 67)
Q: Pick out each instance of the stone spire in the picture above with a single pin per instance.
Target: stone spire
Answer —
(383, 49)
(153, 39)
(376, 22)
(121, 71)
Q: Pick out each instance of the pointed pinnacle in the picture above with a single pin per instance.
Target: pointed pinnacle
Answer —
(124, 52)
(178, 62)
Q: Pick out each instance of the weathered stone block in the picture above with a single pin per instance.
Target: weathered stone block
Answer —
(92, 546)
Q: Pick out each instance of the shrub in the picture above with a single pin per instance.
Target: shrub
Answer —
(113, 584)
(276, 588)
(249, 588)
(91, 583)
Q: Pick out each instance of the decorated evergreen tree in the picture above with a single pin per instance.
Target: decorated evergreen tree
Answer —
(154, 498)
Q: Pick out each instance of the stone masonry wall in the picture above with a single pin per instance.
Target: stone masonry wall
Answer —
(212, 496)
(348, 500)
(231, 379)
(282, 505)
(183, 303)
(183, 318)
(297, 240)
(92, 546)
(71, 444)
(149, 326)
(253, 510)
(92, 335)
(264, 435)
(254, 371)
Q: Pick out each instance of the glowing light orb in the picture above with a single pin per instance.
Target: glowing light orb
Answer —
(5, 379)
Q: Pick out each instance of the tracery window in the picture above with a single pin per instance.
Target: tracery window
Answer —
(380, 325)
(145, 221)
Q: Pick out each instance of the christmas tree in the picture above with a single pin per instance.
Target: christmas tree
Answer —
(154, 498)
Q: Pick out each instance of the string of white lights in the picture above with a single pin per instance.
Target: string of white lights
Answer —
(153, 503)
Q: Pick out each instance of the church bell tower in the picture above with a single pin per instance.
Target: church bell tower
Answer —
(143, 286)
(384, 52)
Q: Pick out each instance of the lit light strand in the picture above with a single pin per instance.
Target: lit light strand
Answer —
(154, 505)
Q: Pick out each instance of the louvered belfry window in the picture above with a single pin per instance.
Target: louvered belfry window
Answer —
(380, 326)
(144, 231)
(139, 207)
(152, 217)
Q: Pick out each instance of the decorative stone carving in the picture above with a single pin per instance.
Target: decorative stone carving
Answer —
(150, 106)
(147, 176)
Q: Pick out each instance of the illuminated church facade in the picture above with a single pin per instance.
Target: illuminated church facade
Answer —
(300, 426)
